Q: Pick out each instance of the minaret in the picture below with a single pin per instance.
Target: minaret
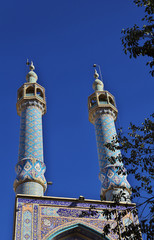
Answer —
(31, 105)
(103, 114)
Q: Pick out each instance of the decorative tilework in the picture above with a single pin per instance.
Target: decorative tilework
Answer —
(64, 212)
(44, 218)
(109, 177)
(35, 222)
(30, 169)
(30, 166)
(27, 225)
(31, 142)
(30, 188)
(78, 231)
(49, 225)
(49, 211)
(19, 222)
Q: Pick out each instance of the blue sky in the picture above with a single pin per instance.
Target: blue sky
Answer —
(64, 39)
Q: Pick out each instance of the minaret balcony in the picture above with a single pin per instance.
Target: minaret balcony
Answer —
(101, 102)
(30, 91)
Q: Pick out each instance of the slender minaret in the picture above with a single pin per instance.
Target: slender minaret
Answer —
(103, 113)
(31, 105)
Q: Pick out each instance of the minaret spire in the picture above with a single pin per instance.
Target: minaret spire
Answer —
(103, 113)
(31, 105)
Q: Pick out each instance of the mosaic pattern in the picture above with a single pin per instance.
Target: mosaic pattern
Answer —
(30, 166)
(30, 169)
(32, 188)
(43, 218)
(105, 131)
(19, 222)
(60, 203)
(27, 225)
(79, 232)
(35, 222)
(50, 225)
(31, 142)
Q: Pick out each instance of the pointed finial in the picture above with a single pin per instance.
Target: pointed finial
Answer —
(97, 65)
(31, 67)
(96, 75)
(98, 84)
(27, 63)
(31, 76)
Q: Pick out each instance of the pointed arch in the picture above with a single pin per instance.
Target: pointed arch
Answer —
(20, 94)
(30, 91)
(111, 101)
(39, 93)
(103, 99)
(79, 228)
(93, 101)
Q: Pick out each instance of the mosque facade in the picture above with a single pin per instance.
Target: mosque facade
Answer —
(43, 217)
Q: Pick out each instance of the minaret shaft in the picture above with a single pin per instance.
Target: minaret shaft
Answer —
(111, 181)
(105, 131)
(30, 169)
(31, 142)
(103, 114)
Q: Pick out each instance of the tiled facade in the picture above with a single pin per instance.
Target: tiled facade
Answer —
(105, 131)
(103, 114)
(30, 166)
(50, 218)
(47, 218)
(30, 169)
(31, 142)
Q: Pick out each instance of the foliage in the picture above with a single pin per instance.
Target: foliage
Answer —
(137, 149)
(140, 40)
(138, 157)
(131, 231)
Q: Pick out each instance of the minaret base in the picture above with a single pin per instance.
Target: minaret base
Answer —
(116, 194)
(30, 188)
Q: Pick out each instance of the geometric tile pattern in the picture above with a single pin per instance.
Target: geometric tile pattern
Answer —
(43, 218)
(35, 222)
(19, 222)
(31, 142)
(27, 225)
(110, 179)
(30, 169)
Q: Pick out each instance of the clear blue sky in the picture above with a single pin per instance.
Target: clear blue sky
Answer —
(64, 39)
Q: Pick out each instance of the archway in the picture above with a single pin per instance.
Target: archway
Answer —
(76, 231)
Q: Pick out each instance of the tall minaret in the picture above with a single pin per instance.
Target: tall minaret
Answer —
(31, 105)
(103, 113)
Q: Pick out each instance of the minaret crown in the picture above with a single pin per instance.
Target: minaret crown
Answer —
(31, 92)
(100, 101)
(31, 76)
(98, 84)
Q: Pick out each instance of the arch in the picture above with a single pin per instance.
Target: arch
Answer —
(39, 92)
(75, 228)
(93, 101)
(30, 91)
(20, 94)
(103, 99)
(111, 101)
